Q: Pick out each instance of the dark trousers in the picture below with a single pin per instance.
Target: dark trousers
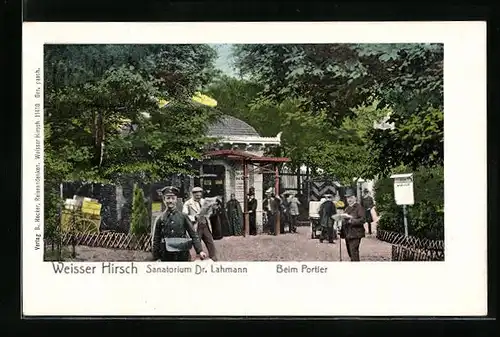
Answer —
(206, 236)
(271, 222)
(352, 246)
(328, 233)
(176, 256)
(369, 220)
(252, 223)
(293, 223)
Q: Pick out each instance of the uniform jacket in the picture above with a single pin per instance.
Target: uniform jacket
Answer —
(173, 224)
(354, 228)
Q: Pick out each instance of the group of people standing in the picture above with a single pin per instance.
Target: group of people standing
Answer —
(177, 230)
(186, 223)
(286, 206)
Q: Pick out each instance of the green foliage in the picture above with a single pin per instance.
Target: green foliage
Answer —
(140, 218)
(102, 118)
(344, 151)
(340, 151)
(321, 77)
(333, 79)
(239, 98)
(56, 169)
(426, 216)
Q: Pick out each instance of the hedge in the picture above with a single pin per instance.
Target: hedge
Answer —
(426, 216)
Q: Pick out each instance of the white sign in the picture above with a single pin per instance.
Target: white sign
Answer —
(403, 189)
(239, 185)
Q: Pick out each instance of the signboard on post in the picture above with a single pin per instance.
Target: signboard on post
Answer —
(403, 193)
(403, 189)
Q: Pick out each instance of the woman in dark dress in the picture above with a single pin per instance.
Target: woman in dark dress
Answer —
(218, 220)
(235, 216)
(215, 223)
(252, 216)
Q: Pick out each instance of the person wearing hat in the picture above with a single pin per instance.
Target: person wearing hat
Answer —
(326, 211)
(252, 211)
(192, 208)
(353, 229)
(271, 206)
(285, 208)
(234, 216)
(368, 203)
(293, 206)
(266, 206)
(171, 231)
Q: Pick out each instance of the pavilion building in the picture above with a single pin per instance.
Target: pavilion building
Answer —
(236, 162)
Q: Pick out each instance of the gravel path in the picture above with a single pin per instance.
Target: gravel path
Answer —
(285, 247)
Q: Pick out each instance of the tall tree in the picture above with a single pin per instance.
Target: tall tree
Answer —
(102, 107)
(102, 116)
(333, 79)
(308, 139)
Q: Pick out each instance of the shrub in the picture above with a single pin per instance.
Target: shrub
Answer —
(426, 216)
(140, 218)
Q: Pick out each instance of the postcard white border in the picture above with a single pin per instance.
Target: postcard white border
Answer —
(457, 286)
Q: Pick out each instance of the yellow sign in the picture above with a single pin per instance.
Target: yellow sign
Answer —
(91, 207)
(205, 100)
(156, 207)
(198, 98)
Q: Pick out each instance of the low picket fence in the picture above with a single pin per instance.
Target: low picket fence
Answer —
(111, 240)
(410, 248)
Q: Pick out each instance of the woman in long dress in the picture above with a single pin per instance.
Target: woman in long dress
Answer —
(219, 222)
(235, 216)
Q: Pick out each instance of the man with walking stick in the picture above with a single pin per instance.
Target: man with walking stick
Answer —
(353, 229)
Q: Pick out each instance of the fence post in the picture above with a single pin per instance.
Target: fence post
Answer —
(405, 219)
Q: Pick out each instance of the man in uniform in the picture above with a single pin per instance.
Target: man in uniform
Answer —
(192, 208)
(326, 211)
(173, 224)
(353, 229)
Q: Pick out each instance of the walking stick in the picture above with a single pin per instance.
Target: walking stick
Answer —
(337, 229)
(340, 246)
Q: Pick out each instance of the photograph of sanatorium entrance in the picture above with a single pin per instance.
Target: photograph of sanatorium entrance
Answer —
(269, 146)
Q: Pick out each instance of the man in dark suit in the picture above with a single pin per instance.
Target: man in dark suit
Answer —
(326, 211)
(353, 229)
(368, 203)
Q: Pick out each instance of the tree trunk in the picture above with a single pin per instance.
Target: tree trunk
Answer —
(98, 138)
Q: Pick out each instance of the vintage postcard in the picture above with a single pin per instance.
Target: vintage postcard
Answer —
(309, 166)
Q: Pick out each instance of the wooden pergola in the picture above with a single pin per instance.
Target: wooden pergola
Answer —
(264, 164)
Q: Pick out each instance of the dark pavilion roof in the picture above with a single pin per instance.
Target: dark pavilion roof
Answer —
(231, 126)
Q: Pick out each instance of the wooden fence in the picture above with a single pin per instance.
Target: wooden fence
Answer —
(112, 240)
(410, 248)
